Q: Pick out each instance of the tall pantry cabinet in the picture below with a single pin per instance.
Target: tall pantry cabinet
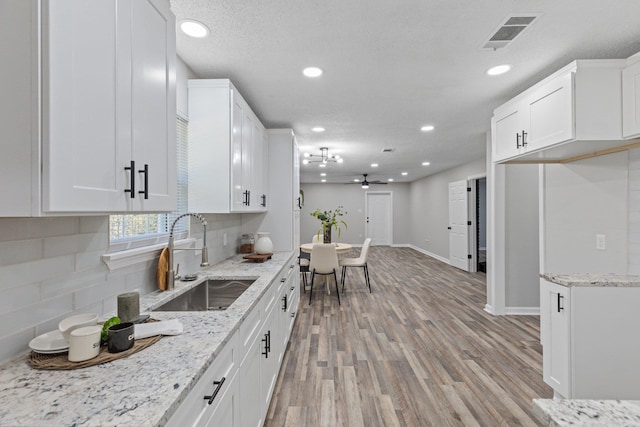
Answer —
(283, 217)
(88, 106)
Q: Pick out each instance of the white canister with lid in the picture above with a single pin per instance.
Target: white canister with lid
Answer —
(263, 245)
(84, 343)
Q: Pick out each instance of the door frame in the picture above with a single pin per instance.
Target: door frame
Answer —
(471, 216)
(366, 211)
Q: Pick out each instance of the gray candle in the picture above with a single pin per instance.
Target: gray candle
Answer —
(129, 307)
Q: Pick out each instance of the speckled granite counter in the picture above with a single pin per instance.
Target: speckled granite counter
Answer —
(592, 413)
(591, 279)
(145, 388)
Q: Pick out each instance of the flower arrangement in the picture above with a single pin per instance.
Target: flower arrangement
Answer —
(329, 220)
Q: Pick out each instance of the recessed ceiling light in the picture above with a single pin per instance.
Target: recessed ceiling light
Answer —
(194, 28)
(323, 174)
(318, 129)
(374, 165)
(390, 180)
(312, 72)
(405, 173)
(425, 163)
(498, 69)
(427, 128)
(323, 180)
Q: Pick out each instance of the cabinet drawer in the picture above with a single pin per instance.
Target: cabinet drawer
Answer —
(249, 330)
(195, 409)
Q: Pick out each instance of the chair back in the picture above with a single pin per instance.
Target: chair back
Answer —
(364, 253)
(317, 238)
(324, 258)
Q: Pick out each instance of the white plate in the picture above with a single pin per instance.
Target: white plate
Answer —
(51, 342)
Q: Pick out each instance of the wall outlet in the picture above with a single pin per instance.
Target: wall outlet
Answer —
(224, 239)
(601, 243)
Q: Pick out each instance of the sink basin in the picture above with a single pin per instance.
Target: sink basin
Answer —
(208, 295)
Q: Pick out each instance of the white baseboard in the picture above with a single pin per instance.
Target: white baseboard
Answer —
(522, 311)
(432, 255)
(489, 309)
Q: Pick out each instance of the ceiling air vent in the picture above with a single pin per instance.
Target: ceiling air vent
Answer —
(388, 150)
(511, 28)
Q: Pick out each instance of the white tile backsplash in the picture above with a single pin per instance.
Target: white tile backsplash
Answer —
(51, 268)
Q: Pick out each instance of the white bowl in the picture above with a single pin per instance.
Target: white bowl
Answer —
(74, 322)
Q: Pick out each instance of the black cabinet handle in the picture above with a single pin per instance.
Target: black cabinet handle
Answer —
(524, 139)
(264, 201)
(284, 300)
(267, 344)
(145, 171)
(132, 179)
(300, 202)
(518, 140)
(218, 385)
(560, 307)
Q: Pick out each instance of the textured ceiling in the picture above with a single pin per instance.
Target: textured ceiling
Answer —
(391, 67)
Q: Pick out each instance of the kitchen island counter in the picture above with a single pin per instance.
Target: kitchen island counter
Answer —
(144, 388)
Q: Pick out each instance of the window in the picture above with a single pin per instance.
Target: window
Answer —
(139, 230)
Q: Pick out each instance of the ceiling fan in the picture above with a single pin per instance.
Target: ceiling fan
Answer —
(364, 183)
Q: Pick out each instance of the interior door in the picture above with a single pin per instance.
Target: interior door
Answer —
(458, 225)
(379, 220)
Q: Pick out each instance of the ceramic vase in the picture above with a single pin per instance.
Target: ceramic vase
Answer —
(263, 245)
(327, 235)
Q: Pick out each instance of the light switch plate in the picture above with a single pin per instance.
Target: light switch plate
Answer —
(601, 244)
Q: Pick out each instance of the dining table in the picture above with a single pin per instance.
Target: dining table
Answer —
(341, 248)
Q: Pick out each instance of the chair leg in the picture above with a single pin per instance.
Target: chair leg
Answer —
(335, 279)
(313, 273)
(304, 281)
(342, 276)
(366, 276)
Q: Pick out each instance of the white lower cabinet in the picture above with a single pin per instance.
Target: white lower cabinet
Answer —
(215, 395)
(588, 338)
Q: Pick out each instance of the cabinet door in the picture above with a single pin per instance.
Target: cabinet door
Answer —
(550, 114)
(85, 148)
(227, 411)
(153, 105)
(269, 363)
(506, 128)
(556, 338)
(297, 197)
(237, 191)
(250, 389)
(631, 101)
(247, 160)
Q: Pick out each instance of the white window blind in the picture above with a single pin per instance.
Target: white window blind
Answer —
(139, 230)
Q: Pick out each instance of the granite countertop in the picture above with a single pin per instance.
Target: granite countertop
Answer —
(146, 387)
(592, 413)
(593, 279)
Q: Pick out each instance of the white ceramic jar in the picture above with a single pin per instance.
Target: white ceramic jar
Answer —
(84, 343)
(263, 245)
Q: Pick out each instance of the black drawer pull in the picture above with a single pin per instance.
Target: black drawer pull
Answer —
(560, 298)
(145, 171)
(218, 385)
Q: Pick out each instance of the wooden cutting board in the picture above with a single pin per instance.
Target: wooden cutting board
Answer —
(163, 267)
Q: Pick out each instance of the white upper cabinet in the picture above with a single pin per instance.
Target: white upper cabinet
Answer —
(631, 98)
(574, 112)
(226, 146)
(90, 93)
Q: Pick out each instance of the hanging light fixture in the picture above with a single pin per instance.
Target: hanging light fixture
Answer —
(323, 158)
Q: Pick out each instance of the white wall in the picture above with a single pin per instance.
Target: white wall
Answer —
(522, 270)
(582, 199)
(634, 212)
(352, 197)
(430, 207)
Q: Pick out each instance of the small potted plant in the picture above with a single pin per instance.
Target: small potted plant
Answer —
(329, 219)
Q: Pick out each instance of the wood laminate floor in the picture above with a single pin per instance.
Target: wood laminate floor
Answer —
(418, 351)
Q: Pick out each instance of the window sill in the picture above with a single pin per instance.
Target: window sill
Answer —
(129, 257)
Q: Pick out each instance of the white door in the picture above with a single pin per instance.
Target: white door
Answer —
(379, 220)
(458, 225)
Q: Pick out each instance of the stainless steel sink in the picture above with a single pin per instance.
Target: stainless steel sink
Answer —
(208, 295)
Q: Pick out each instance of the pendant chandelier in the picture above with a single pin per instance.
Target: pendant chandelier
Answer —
(323, 158)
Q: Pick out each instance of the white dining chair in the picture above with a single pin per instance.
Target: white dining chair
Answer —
(361, 261)
(317, 238)
(304, 261)
(324, 261)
